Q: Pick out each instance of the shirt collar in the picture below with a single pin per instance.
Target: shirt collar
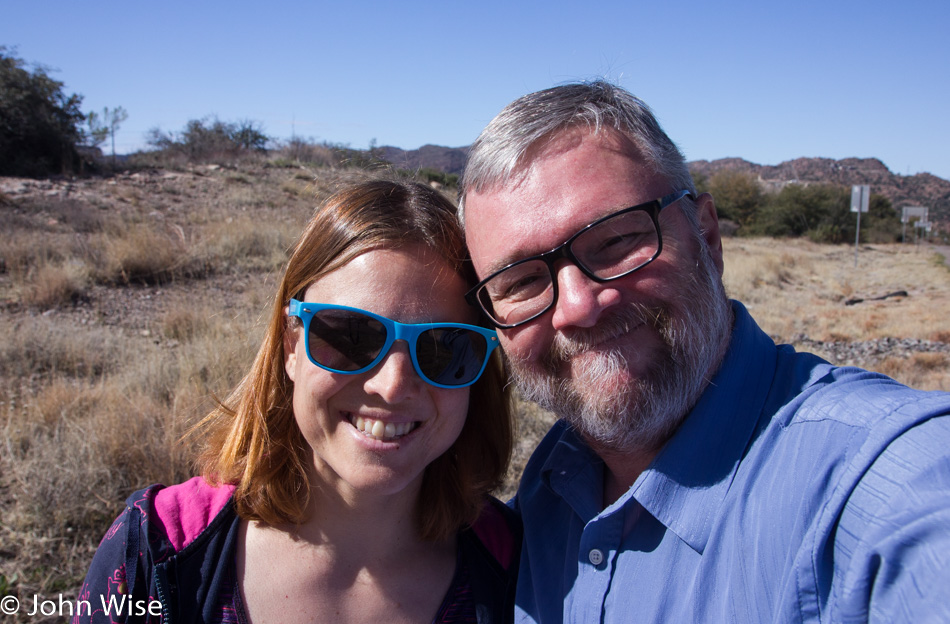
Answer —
(685, 485)
(574, 471)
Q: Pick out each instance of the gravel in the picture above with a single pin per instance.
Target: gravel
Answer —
(868, 352)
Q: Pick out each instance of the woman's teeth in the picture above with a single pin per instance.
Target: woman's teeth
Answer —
(381, 430)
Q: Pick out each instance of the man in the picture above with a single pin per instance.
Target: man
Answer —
(699, 472)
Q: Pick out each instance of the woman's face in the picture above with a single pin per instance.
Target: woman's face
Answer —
(375, 432)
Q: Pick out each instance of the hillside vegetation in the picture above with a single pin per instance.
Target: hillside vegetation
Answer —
(129, 302)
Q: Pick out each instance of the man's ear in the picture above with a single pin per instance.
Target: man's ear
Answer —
(709, 227)
(291, 339)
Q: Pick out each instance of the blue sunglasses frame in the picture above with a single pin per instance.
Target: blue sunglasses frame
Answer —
(408, 332)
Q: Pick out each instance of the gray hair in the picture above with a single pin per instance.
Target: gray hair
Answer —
(500, 151)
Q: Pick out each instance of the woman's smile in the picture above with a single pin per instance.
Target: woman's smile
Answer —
(379, 429)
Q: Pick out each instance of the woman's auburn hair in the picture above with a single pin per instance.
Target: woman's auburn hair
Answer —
(252, 440)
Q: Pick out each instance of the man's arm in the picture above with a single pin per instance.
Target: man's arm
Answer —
(893, 540)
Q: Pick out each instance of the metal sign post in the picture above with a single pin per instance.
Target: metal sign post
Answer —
(908, 214)
(860, 201)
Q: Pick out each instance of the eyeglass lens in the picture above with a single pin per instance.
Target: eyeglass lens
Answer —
(347, 341)
(618, 245)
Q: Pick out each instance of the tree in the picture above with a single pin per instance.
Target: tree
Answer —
(114, 119)
(96, 132)
(40, 125)
(105, 126)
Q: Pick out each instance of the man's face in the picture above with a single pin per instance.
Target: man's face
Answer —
(622, 360)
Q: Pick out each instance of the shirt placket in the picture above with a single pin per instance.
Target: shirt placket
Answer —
(599, 544)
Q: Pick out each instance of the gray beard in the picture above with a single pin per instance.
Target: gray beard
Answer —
(643, 414)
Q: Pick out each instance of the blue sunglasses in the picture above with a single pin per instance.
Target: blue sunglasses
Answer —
(352, 341)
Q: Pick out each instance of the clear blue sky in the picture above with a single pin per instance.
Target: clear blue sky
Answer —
(763, 81)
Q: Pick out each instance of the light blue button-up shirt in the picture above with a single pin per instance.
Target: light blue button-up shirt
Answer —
(795, 491)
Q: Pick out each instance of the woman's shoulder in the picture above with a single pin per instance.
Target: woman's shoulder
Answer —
(181, 512)
(498, 528)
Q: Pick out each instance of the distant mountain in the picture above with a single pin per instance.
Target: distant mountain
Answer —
(922, 189)
(447, 159)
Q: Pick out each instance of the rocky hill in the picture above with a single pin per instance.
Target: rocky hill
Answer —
(447, 159)
(922, 189)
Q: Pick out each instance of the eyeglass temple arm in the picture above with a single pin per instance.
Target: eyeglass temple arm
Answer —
(666, 200)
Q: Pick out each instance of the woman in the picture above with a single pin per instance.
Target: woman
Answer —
(347, 477)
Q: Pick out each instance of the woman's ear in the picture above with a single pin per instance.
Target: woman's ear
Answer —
(291, 339)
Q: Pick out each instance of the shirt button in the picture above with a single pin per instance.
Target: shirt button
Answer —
(595, 556)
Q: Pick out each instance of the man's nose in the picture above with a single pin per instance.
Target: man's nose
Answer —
(581, 300)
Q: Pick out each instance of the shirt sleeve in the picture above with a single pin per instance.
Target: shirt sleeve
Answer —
(104, 596)
(894, 533)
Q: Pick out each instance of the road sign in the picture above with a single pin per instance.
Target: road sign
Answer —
(910, 213)
(860, 198)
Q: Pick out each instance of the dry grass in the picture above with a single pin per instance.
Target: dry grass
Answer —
(920, 370)
(130, 306)
(90, 414)
(795, 287)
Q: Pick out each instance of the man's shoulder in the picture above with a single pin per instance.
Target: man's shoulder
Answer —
(854, 397)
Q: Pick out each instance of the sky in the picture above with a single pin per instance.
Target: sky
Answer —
(763, 81)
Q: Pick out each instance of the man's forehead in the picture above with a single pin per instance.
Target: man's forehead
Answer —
(546, 201)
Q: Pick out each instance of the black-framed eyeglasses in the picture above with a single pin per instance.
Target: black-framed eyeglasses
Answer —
(609, 248)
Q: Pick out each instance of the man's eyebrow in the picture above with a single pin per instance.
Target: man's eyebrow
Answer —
(510, 259)
(518, 256)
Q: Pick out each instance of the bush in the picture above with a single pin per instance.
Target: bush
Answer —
(738, 196)
(210, 139)
(53, 285)
(440, 177)
(142, 255)
(299, 150)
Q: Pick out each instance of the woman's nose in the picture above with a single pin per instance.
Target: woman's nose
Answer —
(394, 379)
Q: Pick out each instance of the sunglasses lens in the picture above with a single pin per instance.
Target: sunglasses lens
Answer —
(345, 340)
(451, 356)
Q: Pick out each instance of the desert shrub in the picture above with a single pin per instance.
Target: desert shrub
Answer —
(307, 151)
(440, 177)
(52, 285)
(210, 140)
(141, 254)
